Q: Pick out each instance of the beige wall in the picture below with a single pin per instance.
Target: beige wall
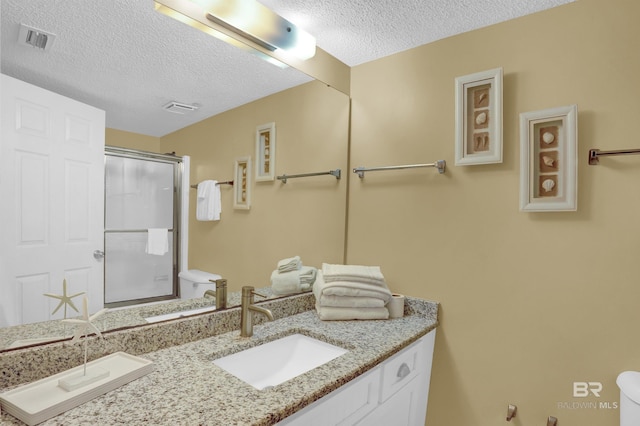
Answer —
(531, 302)
(123, 139)
(304, 217)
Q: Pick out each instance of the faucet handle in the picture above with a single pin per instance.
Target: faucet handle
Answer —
(249, 292)
(221, 282)
(258, 294)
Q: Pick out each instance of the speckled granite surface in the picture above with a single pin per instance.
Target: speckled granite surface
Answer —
(24, 335)
(188, 389)
(28, 364)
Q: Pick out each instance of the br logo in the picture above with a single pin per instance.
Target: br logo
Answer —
(583, 389)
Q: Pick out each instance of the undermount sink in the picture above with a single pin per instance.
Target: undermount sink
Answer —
(180, 314)
(280, 360)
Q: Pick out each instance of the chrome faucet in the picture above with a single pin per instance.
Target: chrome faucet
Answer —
(246, 323)
(220, 293)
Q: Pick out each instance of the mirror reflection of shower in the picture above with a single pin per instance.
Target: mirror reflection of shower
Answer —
(142, 223)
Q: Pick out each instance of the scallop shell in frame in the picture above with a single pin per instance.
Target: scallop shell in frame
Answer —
(548, 138)
(547, 161)
(548, 185)
(481, 118)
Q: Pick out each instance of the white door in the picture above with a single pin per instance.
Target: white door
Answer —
(52, 204)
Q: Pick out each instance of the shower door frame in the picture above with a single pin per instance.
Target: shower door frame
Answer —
(178, 171)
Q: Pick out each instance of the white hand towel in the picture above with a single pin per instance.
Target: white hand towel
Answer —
(285, 283)
(157, 241)
(203, 188)
(350, 301)
(293, 281)
(289, 264)
(330, 313)
(349, 289)
(208, 204)
(355, 273)
(307, 276)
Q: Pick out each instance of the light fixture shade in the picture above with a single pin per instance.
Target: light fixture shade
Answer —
(246, 21)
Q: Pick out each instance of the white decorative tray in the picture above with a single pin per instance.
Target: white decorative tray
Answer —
(38, 401)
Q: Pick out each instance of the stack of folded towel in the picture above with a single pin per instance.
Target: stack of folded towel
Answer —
(292, 277)
(348, 292)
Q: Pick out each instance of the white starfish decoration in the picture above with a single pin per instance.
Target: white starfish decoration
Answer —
(64, 299)
(85, 324)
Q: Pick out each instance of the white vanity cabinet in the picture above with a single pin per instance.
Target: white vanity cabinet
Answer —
(394, 392)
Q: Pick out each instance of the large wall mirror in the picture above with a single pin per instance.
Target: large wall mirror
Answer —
(304, 217)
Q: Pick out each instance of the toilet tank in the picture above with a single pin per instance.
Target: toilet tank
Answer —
(193, 283)
(629, 384)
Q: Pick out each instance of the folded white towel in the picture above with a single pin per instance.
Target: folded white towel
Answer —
(328, 313)
(356, 273)
(208, 204)
(157, 241)
(350, 301)
(307, 275)
(289, 264)
(285, 283)
(349, 289)
(293, 281)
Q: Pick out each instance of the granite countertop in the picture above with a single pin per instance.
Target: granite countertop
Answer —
(187, 388)
(129, 316)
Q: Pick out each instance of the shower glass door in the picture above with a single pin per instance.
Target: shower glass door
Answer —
(140, 194)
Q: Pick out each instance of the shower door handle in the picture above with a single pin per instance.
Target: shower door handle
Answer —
(98, 255)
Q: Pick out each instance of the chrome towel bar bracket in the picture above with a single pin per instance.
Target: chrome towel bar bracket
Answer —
(595, 154)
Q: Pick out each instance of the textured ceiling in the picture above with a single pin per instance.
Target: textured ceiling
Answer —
(125, 58)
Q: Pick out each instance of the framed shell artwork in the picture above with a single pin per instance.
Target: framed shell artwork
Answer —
(265, 152)
(479, 118)
(242, 183)
(548, 160)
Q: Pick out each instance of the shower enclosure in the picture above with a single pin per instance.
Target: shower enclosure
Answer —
(142, 192)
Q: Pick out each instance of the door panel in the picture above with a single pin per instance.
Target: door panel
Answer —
(52, 179)
(31, 191)
(77, 199)
(29, 296)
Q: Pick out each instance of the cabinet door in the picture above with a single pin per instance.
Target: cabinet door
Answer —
(404, 408)
(394, 393)
(401, 368)
(343, 406)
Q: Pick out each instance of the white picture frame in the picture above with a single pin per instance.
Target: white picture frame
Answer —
(242, 183)
(265, 152)
(549, 160)
(479, 118)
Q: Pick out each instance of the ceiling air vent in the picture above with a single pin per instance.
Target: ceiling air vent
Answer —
(35, 38)
(180, 108)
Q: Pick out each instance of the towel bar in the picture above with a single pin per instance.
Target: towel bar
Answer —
(226, 182)
(440, 165)
(335, 173)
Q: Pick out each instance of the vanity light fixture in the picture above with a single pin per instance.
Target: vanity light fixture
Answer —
(243, 23)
